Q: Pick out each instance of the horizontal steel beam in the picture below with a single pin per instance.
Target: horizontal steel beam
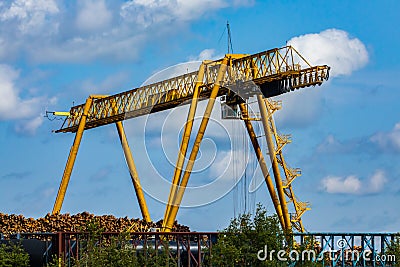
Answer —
(275, 71)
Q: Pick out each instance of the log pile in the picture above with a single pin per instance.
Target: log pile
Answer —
(10, 224)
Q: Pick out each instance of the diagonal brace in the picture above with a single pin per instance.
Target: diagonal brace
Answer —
(262, 163)
(265, 116)
(185, 141)
(133, 172)
(196, 146)
(72, 156)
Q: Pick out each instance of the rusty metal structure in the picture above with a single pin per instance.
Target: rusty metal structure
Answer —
(236, 78)
(193, 249)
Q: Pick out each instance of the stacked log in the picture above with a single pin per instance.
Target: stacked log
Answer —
(11, 224)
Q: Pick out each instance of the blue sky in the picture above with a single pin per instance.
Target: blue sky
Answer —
(346, 133)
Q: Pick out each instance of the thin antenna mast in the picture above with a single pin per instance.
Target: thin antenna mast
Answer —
(230, 48)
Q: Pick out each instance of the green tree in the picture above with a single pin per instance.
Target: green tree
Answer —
(394, 250)
(309, 244)
(99, 250)
(13, 255)
(239, 243)
(96, 249)
(150, 257)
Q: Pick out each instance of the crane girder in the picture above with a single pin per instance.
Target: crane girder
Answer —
(275, 71)
(236, 76)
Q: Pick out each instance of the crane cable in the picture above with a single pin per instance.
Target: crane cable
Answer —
(253, 162)
(235, 144)
(234, 172)
(230, 47)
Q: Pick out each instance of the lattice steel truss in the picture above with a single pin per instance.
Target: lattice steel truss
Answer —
(262, 69)
(289, 173)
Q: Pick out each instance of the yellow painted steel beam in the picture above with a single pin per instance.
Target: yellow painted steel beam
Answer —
(184, 142)
(265, 117)
(61, 113)
(262, 163)
(72, 156)
(196, 146)
(263, 68)
(132, 167)
(133, 172)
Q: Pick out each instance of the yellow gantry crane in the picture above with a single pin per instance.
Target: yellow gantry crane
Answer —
(236, 77)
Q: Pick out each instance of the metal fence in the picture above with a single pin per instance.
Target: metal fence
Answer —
(194, 248)
(347, 249)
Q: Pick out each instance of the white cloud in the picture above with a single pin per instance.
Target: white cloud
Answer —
(349, 185)
(151, 12)
(111, 83)
(333, 145)
(30, 14)
(206, 54)
(330, 144)
(377, 182)
(229, 165)
(13, 107)
(115, 45)
(354, 185)
(8, 96)
(388, 141)
(93, 15)
(29, 127)
(55, 31)
(332, 47)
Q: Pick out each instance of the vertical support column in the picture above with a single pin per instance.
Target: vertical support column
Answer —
(60, 246)
(185, 141)
(196, 146)
(265, 116)
(71, 158)
(262, 164)
(133, 172)
(199, 262)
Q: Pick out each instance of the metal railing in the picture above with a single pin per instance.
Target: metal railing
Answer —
(195, 248)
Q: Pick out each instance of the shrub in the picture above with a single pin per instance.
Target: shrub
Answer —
(394, 249)
(13, 255)
(239, 243)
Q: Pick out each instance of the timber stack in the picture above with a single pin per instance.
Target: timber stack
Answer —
(12, 223)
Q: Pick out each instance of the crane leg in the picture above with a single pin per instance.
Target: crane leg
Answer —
(185, 141)
(169, 222)
(265, 117)
(262, 164)
(133, 172)
(71, 158)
